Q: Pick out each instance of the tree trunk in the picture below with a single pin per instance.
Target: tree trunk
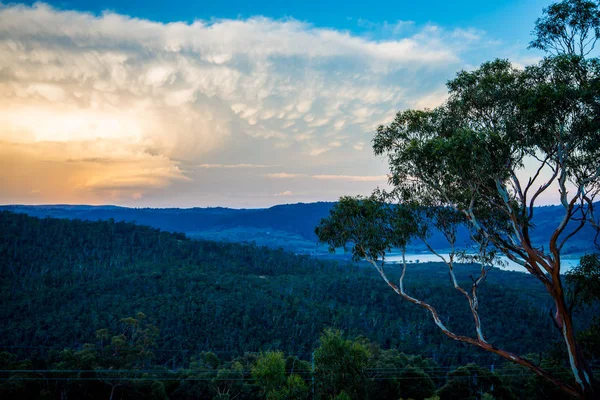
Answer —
(580, 368)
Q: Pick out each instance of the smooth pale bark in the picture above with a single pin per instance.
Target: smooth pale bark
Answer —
(480, 341)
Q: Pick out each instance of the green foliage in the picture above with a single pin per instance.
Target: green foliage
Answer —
(269, 371)
(230, 381)
(568, 27)
(343, 396)
(530, 386)
(295, 389)
(341, 364)
(415, 384)
(196, 300)
(369, 225)
(211, 360)
(590, 340)
(385, 374)
(471, 382)
(400, 375)
(585, 280)
(62, 282)
(159, 392)
(584, 293)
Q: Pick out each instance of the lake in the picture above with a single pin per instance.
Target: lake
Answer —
(568, 261)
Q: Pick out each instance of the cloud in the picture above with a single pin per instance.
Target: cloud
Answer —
(359, 146)
(229, 166)
(347, 178)
(318, 151)
(286, 193)
(352, 178)
(141, 100)
(431, 100)
(468, 35)
(53, 172)
(284, 175)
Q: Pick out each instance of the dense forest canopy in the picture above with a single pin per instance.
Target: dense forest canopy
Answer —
(62, 280)
(66, 285)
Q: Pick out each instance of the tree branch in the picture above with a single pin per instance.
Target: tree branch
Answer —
(465, 339)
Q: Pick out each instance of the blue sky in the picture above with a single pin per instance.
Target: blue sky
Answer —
(507, 19)
(242, 104)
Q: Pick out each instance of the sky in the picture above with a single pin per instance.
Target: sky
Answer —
(239, 104)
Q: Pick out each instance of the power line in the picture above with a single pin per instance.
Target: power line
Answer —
(407, 378)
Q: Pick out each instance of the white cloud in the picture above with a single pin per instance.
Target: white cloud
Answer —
(286, 193)
(229, 166)
(284, 175)
(318, 151)
(322, 177)
(352, 178)
(232, 93)
(469, 35)
(359, 146)
(431, 100)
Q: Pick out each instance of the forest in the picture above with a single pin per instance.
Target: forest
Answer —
(290, 226)
(105, 309)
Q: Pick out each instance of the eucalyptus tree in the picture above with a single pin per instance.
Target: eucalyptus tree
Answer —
(505, 138)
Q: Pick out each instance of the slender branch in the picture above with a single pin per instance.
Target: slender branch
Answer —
(554, 248)
(472, 301)
(465, 339)
(510, 250)
(513, 221)
(582, 223)
(517, 186)
(541, 190)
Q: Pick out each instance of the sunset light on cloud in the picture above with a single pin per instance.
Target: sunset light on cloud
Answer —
(109, 108)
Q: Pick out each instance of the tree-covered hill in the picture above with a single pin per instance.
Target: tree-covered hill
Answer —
(290, 226)
(299, 218)
(62, 280)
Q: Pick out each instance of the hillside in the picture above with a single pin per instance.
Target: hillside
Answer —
(184, 319)
(62, 280)
(290, 226)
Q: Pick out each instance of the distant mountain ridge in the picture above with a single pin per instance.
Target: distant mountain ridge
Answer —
(288, 225)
